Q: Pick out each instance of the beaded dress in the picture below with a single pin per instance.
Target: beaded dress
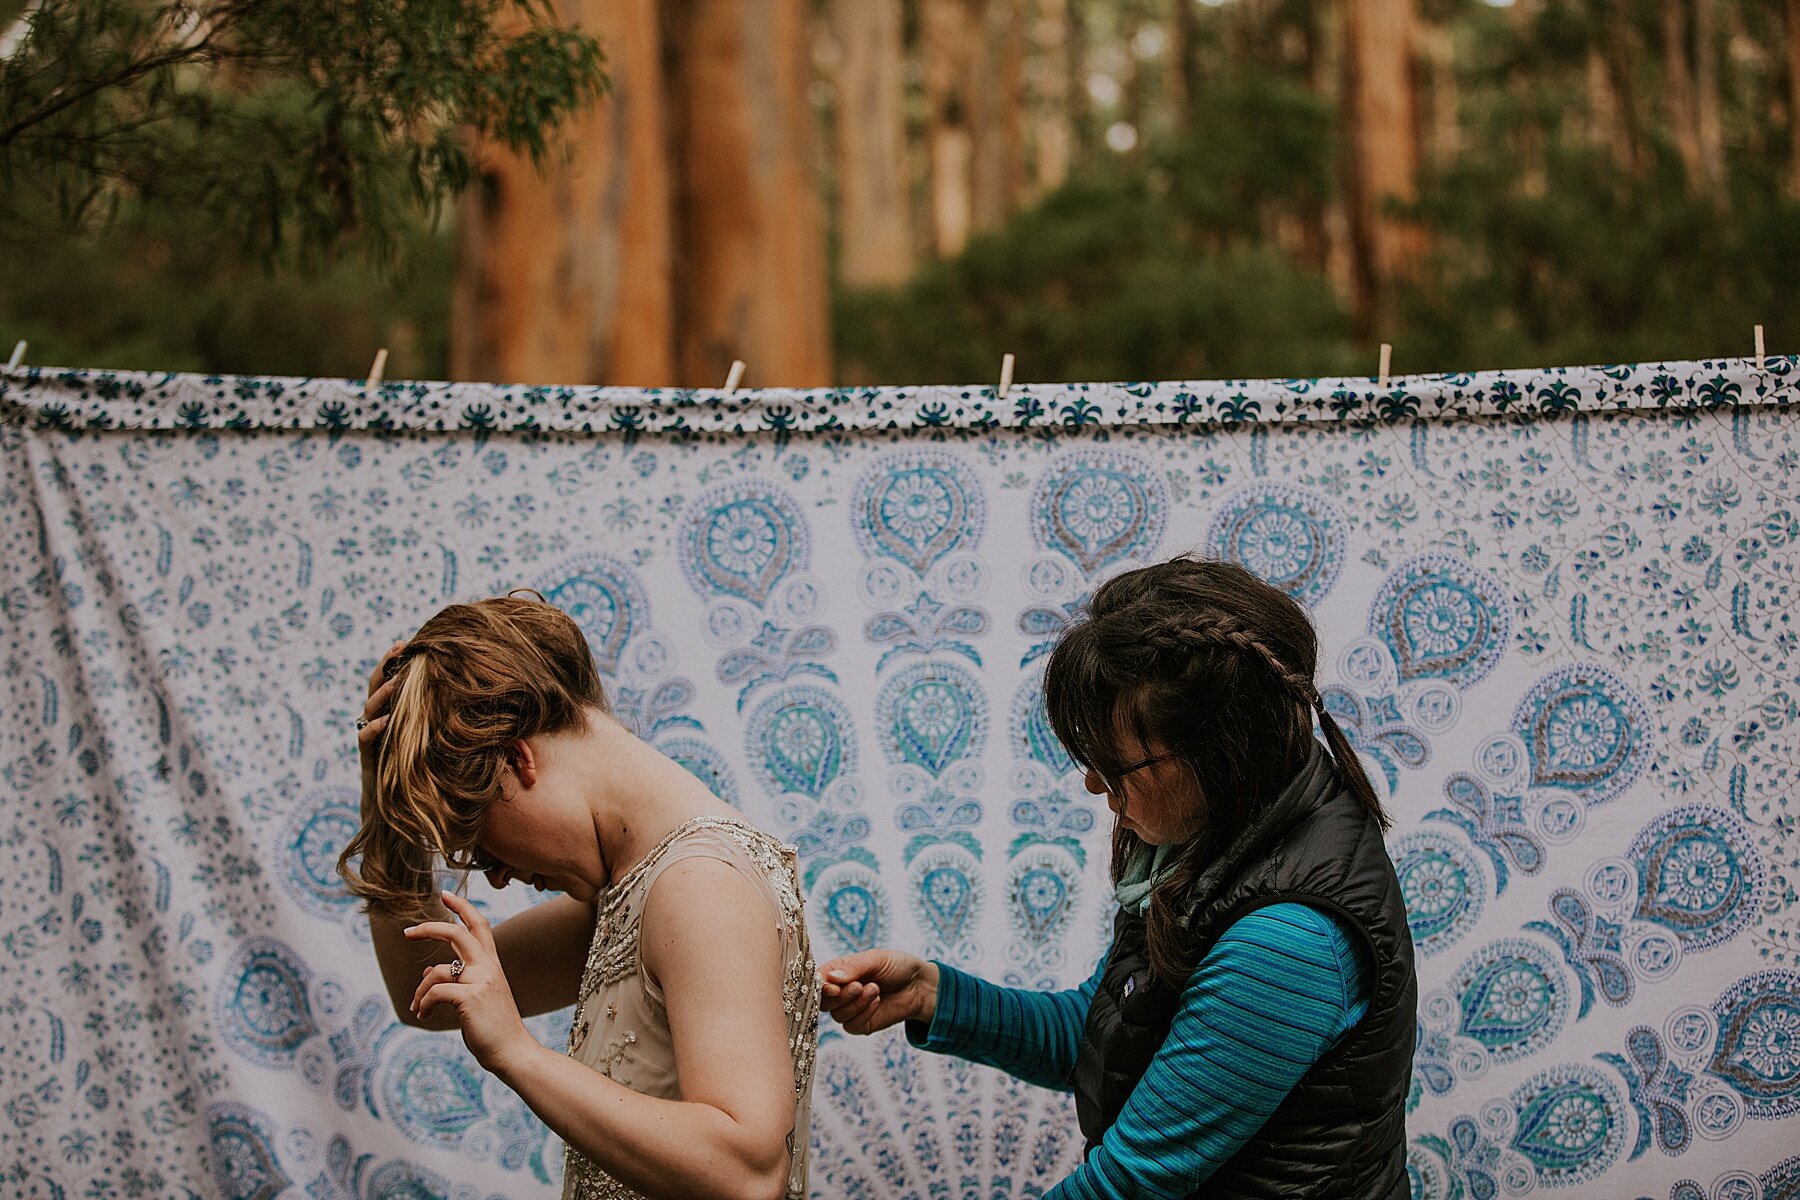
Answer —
(621, 1026)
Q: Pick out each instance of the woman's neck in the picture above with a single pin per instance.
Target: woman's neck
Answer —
(638, 796)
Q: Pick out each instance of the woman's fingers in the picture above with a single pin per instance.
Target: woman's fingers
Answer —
(834, 997)
(439, 993)
(431, 977)
(455, 936)
(860, 966)
(379, 699)
(371, 733)
(852, 1005)
(375, 676)
(863, 1019)
(471, 916)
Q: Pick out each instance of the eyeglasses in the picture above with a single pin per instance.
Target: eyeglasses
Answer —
(474, 859)
(1113, 781)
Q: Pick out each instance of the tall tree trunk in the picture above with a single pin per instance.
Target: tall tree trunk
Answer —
(1381, 108)
(1052, 130)
(874, 193)
(1183, 66)
(995, 119)
(1081, 112)
(1793, 74)
(1620, 48)
(1445, 137)
(563, 274)
(1679, 90)
(948, 38)
(751, 263)
(1707, 125)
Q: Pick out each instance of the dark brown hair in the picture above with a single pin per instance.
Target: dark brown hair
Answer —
(474, 680)
(1218, 667)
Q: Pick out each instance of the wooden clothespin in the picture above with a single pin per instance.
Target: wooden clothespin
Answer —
(1759, 348)
(380, 365)
(1006, 370)
(12, 364)
(733, 376)
(1381, 373)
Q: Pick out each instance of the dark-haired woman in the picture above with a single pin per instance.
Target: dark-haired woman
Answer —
(1250, 1029)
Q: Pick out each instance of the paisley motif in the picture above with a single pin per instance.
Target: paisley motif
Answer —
(918, 506)
(1284, 535)
(1584, 732)
(1441, 617)
(1099, 507)
(799, 740)
(742, 539)
(604, 597)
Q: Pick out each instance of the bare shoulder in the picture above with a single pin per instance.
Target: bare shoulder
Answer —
(704, 906)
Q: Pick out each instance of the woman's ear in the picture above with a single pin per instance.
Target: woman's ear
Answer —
(524, 763)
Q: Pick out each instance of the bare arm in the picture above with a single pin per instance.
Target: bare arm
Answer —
(712, 942)
(542, 950)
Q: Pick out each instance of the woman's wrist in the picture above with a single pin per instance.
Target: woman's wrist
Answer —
(928, 992)
(512, 1063)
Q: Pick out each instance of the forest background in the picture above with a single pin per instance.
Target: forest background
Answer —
(897, 191)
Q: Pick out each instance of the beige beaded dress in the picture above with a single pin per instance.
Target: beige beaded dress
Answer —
(621, 1026)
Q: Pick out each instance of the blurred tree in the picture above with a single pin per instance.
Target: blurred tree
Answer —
(685, 230)
(565, 269)
(750, 246)
(1381, 147)
(948, 36)
(304, 129)
(874, 196)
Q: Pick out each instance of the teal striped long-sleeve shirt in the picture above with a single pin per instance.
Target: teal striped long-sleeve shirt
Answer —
(1278, 989)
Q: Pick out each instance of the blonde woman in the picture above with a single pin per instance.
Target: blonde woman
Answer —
(488, 744)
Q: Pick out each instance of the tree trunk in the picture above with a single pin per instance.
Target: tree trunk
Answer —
(751, 264)
(947, 37)
(563, 273)
(1793, 73)
(1679, 92)
(995, 120)
(1621, 47)
(1707, 125)
(1440, 60)
(1381, 109)
(1081, 112)
(1182, 70)
(874, 194)
(1052, 130)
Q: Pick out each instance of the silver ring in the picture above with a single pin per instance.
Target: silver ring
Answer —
(456, 969)
(362, 723)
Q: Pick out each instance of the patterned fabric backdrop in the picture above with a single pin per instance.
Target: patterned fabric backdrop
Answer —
(1558, 610)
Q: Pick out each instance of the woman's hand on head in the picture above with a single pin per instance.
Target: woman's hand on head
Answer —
(375, 720)
(483, 999)
(872, 990)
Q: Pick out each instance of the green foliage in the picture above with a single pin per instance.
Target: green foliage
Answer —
(300, 129)
(168, 297)
(1595, 267)
(1552, 242)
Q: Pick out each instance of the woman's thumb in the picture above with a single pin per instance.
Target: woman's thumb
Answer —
(851, 966)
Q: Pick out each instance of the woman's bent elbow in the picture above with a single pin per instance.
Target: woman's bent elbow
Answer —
(765, 1176)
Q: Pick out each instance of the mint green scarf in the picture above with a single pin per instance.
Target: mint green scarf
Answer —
(1148, 867)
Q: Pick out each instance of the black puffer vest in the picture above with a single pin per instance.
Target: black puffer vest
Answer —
(1341, 1132)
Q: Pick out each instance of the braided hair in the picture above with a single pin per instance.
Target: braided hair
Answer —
(1217, 666)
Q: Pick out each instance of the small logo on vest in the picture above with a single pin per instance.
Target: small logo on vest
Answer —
(1130, 985)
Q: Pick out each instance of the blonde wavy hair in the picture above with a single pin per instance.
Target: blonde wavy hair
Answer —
(473, 681)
